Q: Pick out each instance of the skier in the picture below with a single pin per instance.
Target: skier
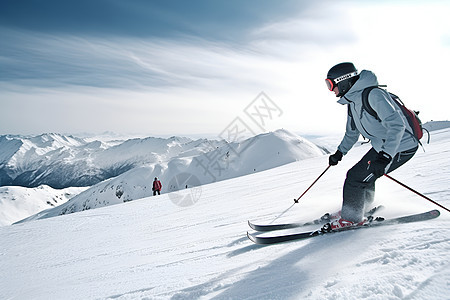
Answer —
(390, 136)
(157, 186)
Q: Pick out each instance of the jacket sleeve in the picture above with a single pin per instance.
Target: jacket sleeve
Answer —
(391, 119)
(350, 138)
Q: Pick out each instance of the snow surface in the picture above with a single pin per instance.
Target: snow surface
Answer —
(436, 125)
(154, 249)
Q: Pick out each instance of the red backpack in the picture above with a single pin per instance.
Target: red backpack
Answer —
(411, 115)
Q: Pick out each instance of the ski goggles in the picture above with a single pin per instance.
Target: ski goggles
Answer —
(332, 83)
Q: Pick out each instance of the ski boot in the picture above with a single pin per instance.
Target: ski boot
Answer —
(342, 223)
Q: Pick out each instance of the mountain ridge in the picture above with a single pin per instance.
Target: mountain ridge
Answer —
(65, 161)
(229, 160)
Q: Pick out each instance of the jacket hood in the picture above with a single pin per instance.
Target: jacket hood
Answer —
(366, 79)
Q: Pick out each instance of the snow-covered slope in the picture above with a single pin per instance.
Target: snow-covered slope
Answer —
(154, 249)
(436, 125)
(232, 160)
(17, 203)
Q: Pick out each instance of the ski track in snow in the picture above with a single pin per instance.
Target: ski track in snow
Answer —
(152, 249)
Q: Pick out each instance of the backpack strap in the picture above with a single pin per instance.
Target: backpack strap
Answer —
(349, 112)
(365, 102)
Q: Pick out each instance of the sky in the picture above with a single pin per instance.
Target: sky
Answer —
(208, 68)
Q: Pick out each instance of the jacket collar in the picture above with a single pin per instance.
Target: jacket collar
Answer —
(343, 101)
(366, 79)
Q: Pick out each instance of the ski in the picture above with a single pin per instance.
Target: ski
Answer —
(322, 220)
(266, 240)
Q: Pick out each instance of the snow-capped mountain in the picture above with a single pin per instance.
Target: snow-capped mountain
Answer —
(17, 203)
(191, 169)
(66, 161)
(178, 162)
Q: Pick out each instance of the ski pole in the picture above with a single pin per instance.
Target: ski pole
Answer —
(282, 213)
(296, 200)
(414, 191)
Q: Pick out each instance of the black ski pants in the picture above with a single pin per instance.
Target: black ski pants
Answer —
(359, 192)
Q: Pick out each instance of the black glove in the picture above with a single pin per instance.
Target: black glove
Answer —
(378, 166)
(335, 158)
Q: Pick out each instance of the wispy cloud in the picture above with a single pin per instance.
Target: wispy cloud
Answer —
(126, 63)
(200, 61)
(140, 18)
(185, 44)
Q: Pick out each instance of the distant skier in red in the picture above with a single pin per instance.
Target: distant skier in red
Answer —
(157, 186)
